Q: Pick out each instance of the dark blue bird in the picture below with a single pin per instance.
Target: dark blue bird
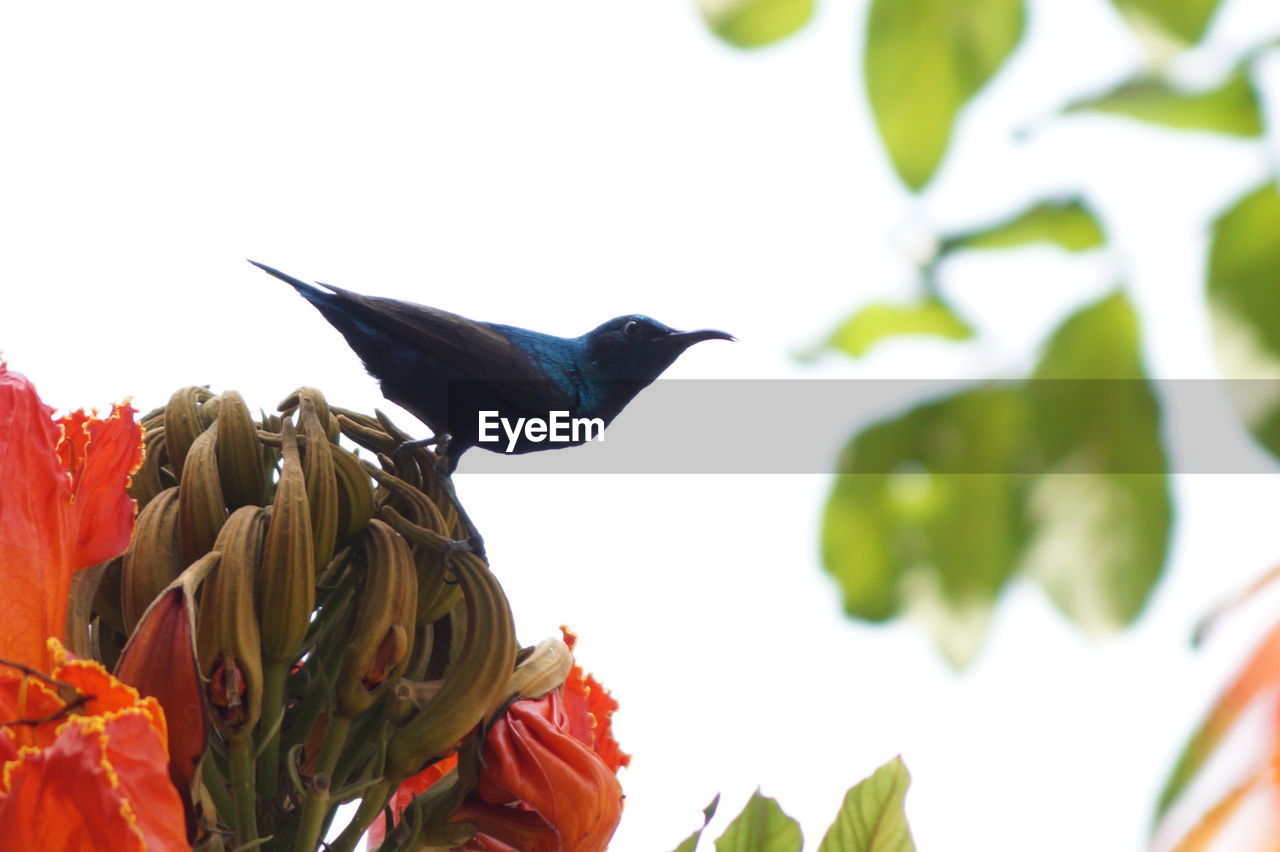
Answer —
(446, 369)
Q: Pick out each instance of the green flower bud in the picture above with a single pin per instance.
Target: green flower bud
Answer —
(227, 632)
(381, 637)
(286, 582)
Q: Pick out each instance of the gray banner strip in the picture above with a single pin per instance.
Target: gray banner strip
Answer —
(801, 426)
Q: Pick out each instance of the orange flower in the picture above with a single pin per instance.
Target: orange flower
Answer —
(86, 773)
(84, 761)
(542, 788)
(1234, 744)
(63, 507)
(548, 774)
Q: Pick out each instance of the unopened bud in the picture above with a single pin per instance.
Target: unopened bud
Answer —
(227, 633)
(154, 557)
(287, 578)
(322, 486)
(201, 510)
(182, 424)
(379, 647)
(355, 494)
(541, 670)
(239, 453)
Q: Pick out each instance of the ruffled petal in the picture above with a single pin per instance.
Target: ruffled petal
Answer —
(137, 752)
(89, 774)
(66, 797)
(36, 540)
(64, 507)
(100, 455)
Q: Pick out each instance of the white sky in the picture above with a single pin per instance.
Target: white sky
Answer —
(553, 165)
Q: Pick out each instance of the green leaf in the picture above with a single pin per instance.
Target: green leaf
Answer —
(1063, 477)
(874, 323)
(1068, 223)
(1185, 20)
(755, 23)
(1244, 304)
(1232, 108)
(761, 827)
(924, 511)
(872, 817)
(1101, 516)
(926, 58)
(691, 842)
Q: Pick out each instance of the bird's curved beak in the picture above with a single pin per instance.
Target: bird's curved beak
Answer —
(686, 339)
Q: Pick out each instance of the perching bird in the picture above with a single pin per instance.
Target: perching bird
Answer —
(446, 369)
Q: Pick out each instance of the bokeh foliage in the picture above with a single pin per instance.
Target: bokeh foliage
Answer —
(1062, 476)
(924, 60)
(936, 510)
(755, 23)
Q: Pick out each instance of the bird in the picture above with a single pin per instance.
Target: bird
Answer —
(447, 370)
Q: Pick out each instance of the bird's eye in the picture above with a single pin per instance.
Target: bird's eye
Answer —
(633, 329)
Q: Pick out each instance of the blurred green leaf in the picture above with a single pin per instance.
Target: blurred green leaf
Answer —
(691, 842)
(1068, 223)
(874, 323)
(1244, 304)
(1063, 477)
(924, 60)
(1231, 108)
(1101, 516)
(923, 511)
(1185, 20)
(872, 817)
(755, 23)
(761, 827)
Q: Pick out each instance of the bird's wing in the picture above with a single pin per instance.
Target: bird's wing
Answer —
(457, 347)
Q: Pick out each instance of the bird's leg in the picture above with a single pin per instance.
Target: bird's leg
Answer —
(474, 542)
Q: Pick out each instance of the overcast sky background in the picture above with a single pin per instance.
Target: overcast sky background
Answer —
(554, 165)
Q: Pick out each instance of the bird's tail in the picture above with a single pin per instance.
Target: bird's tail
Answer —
(310, 292)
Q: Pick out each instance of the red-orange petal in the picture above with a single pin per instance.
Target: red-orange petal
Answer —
(589, 710)
(22, 705)
(504, 829)
(530, 757)
(93, 774)
(1260, 673)
(160, 661)
(140, 757)
(106, 452)
(64, 507)
(409, 789)
(106, 694)
(36, 539)
(65, 797)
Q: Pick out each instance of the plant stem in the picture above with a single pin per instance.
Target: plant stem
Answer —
(240, 753)
(217, 787)
(273, 685)
(375, 799)
(315, 804)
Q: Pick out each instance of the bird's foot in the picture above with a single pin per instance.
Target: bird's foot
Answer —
(473, 544)
(421, 443)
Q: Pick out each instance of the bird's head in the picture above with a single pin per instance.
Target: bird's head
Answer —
(637, 348)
